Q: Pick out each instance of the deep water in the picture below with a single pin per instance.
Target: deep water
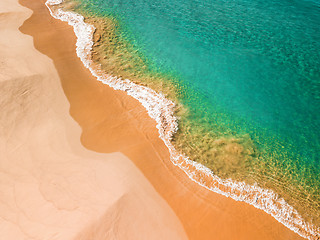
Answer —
(249, 66)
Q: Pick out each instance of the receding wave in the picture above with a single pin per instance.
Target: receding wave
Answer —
(161, 110)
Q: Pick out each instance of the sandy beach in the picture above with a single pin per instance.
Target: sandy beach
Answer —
(51, 186)
(80, 160)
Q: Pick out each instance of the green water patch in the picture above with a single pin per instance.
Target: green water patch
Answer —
(212, 130)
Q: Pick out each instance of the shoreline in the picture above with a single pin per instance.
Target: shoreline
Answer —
(208, 209)
(161, 110)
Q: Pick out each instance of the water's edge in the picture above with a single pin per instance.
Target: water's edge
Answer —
(162, 111)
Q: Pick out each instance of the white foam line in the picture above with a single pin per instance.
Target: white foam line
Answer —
(162, 111)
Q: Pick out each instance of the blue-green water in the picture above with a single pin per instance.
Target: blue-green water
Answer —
(251, 65)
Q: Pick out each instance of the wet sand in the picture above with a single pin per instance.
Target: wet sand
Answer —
(110, 122)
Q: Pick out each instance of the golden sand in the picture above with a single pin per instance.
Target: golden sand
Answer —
(51, 187)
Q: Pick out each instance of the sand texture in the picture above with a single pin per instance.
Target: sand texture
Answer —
(54, 188)
(50, 186)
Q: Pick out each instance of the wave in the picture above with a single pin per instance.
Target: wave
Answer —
(161, 110)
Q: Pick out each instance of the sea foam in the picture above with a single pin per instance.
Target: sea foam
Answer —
(161, 110)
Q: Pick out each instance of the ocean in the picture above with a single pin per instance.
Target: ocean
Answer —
(245, 77)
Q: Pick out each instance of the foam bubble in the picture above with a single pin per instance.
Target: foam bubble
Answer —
(161, 110)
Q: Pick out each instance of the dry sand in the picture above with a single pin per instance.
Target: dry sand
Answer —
(53, 188)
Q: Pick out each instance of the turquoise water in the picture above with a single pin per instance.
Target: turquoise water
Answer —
(254, 66)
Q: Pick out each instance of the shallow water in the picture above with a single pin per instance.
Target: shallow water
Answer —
(249, 68)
